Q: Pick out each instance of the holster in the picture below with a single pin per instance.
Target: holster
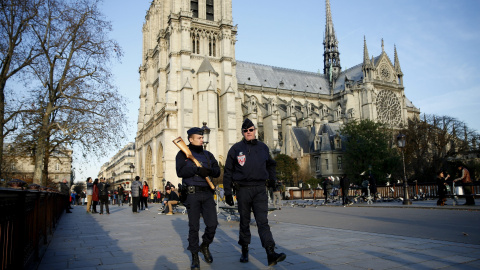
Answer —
(191, 190)
(183, 193)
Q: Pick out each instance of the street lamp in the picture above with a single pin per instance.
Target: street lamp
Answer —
(401, 144)
(206, 135)
(132, 168)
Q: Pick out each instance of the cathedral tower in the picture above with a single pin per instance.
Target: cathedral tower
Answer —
(331, 56)
(186, 77)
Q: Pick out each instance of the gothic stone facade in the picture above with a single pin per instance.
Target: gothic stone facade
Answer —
(189, 75)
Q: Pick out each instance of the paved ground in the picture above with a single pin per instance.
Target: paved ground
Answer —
(358, 239)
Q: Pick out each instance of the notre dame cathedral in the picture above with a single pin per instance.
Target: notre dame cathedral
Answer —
(189, 75)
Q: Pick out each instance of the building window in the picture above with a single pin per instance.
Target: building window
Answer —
(338, 143)
(57, 167)
(339, 163)
(318, 165)
(210, 15)
(326, 163)
(56, 177)
(212, 47)
(196, 43)
(194, 8)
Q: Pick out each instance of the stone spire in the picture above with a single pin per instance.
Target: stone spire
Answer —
(398, 69)
(331, 56)
(367, 65)
(366, 59)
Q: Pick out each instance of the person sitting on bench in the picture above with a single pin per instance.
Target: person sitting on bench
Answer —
(171, 198)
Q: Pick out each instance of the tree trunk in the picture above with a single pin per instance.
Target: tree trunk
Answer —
(42, 148)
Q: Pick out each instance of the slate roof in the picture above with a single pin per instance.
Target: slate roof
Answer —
(296, 80)
(269, 76)
(306, 137)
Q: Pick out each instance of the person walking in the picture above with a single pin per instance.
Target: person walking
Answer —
(103, 195)
(95, 196)
(89, 194)
(73, 198)
(136, 193)
(467, 184)
(144, 196)
(199, 196)
(120, 196)
(248, 167)
(327, 188)
(345, 185)
(65, 190)
(373, 187)
(442, 188)
(277, 196)
(83, 196)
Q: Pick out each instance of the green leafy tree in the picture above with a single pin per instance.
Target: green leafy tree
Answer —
(369, 145)
(287, 167)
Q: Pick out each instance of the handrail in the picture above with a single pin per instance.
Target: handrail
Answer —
(27, 221)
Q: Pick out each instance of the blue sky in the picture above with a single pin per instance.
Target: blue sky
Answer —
(437, 42)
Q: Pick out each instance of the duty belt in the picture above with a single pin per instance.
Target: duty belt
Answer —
(194, 189)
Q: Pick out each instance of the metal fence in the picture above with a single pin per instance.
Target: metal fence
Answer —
(429, 190)
(27, 220)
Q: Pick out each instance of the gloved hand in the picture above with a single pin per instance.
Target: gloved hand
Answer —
(204, 172)
(229, 200)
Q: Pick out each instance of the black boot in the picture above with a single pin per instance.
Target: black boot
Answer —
(195, 262)
(274, 258)
(206, 253)
(244, 257)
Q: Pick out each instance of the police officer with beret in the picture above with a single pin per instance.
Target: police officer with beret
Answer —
(248, 167)
(199, 196)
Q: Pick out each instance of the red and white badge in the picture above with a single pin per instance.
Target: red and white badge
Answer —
(241, 159)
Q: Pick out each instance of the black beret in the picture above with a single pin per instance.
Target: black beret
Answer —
(247, 123)
(195, 130)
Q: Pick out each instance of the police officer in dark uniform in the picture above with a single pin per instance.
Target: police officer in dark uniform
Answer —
(248, 167)
(199, 196)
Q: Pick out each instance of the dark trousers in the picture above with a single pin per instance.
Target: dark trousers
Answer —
(470, 200)
(201, 203)
(135, 201)
(345, 199)
(120, 200)
(104, 201)
(94, 206)
(254, 198)
(143, 202)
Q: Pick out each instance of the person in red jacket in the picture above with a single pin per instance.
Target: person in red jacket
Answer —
(144, 197)
(95, 197)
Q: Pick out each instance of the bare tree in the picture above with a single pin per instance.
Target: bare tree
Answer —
(17, 51)
(73, 99)
(435, 141)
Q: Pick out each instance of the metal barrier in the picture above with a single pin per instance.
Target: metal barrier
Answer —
(429, 189)
(27, 219)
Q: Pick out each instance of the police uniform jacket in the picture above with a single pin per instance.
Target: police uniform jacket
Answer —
(248, 164)
(188, 171)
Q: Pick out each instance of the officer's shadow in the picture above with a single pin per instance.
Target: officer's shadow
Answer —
(226, 250)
